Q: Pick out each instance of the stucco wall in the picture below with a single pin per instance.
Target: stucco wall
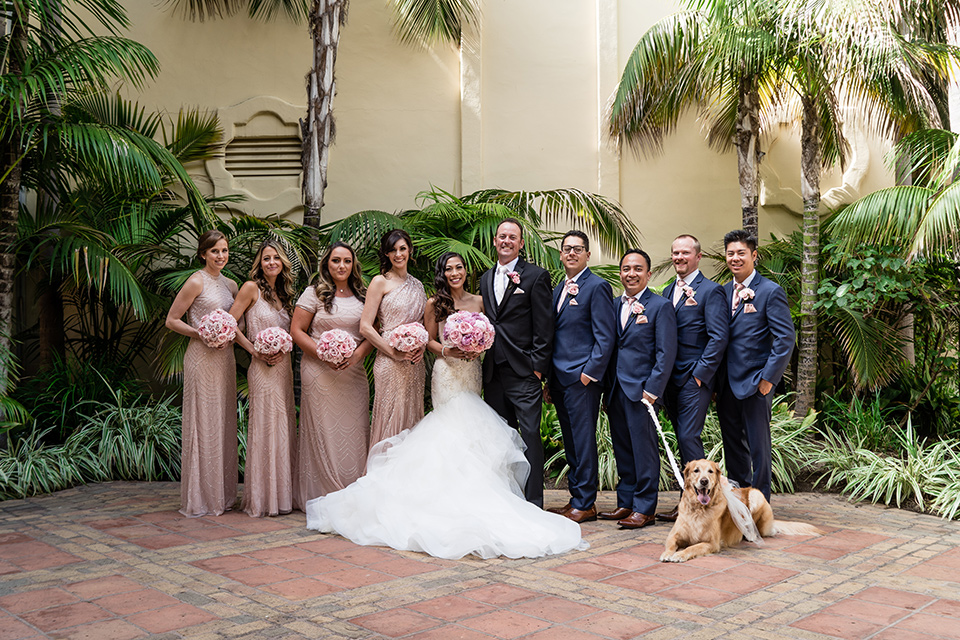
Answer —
(521, 109)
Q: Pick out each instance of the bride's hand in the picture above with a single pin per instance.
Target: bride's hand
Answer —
(454, 352)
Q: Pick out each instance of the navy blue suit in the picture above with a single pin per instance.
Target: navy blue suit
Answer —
(583, 341)
(703, 325)
(523, 344)
(761, 341)
(642, 361)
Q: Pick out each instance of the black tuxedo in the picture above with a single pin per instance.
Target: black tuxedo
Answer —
(523, 344)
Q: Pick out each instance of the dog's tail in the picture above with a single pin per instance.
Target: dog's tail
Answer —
(786, 528)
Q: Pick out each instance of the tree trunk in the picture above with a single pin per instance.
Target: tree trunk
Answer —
(326, 18)
(810, 262)
(748, 153)
(50, 335)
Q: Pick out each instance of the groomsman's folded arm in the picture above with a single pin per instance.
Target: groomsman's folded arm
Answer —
(541, 305)
(784, 336)
(717, 318)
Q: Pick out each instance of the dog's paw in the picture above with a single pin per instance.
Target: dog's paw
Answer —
(668, 556)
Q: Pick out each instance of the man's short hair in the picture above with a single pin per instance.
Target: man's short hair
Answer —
(696, 243)
(639, 251)
(577, 234)
(740, 235)
(511, 221)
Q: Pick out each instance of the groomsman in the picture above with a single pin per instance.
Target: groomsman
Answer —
(639, 370)
(703, 324)
(585, 333)
(516, 298)
(761, 340)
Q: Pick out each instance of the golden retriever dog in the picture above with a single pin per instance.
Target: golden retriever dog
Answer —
(704, 524)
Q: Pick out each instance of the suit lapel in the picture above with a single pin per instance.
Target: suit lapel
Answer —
(581, 281)
(753, 285)
(644, 299)
(510, 286)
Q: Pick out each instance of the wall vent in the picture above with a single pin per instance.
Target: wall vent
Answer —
(263, 157)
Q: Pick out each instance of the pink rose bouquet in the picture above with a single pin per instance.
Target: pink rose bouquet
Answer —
(469, 331)
(335, 346)
(408, 337)
(271, 341)
(217, 328)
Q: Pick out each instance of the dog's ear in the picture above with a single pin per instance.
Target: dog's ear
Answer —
(688, 469)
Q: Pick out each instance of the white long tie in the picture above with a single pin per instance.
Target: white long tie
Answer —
(500, 283)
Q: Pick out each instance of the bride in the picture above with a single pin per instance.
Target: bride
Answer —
(453, 484)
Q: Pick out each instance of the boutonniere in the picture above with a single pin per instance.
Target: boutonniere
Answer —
(746, 294)
(514, 277)
(638, 310)
(689, 292)
(573, 289)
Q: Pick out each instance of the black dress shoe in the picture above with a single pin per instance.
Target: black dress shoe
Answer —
(669, 516)
(561, 510)
(617, 514)
(637, 521)
(577, 515)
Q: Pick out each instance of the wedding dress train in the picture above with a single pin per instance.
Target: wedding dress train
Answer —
(450, 486)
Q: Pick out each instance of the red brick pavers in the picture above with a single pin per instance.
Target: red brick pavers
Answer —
(116, 561)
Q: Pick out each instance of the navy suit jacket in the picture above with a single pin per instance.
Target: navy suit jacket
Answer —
(761, 339)
(585, 330)
(523, 321)
(646, 351)
(703, 329)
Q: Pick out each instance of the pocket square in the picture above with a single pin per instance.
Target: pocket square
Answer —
(749, 308)
(519, 290)
(574, 303)
(690, 303)
(642, 320)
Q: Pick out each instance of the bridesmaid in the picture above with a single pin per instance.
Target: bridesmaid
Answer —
(208, 467)
(394, 298)
(265, 301)
(334, 398)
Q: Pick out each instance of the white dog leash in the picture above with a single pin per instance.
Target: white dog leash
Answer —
(739, 512)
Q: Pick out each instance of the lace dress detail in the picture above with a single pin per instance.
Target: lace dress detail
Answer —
(271, 428)
(398, 385)
(450, 486)
(208, 478)
(334, 407)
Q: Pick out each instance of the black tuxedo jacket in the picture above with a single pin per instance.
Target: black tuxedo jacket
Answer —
(523, 321)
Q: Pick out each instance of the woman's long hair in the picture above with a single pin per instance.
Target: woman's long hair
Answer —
(206, 242)
(326, 288)
(282, 292)
(387, 241)
(443, 299)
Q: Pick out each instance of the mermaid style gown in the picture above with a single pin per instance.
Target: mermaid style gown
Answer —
(450, 486)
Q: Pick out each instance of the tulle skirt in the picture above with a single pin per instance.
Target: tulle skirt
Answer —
(450, 486)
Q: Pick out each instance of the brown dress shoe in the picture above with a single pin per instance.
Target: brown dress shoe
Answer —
(637, 521)
(581, 516)
(561, 510)
(669, 516)
(617, 514)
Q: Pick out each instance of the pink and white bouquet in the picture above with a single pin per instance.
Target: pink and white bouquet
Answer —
(335, 346)
(469, 331)
(271, 341)
(408, 337)
(217, 328)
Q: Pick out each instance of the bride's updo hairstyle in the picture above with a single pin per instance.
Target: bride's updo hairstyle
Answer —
(443, 300)
(282, 292)
(206, 242)
(387, 243)
(326, 288)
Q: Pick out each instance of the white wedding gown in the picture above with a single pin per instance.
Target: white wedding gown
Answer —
(449, 486)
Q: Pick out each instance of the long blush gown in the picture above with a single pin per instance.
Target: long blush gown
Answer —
(334, 407)
(450, 486)
(208, 463)
(272, 423)
(398, 385)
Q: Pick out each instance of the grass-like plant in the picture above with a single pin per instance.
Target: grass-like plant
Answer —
(28, 467)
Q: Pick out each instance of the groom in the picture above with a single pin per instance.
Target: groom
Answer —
(517, 299)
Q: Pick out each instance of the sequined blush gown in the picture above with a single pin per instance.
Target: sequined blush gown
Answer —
(450, 486)
(268, 477)
(334, 407)
(208, 463)
(398, 385)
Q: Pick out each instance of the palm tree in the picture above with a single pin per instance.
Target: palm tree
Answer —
(55, 48)
(718, 56)
(417, 21)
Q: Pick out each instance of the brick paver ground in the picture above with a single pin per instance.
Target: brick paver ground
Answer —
(116, 561)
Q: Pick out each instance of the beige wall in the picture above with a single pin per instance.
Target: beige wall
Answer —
(521, 109)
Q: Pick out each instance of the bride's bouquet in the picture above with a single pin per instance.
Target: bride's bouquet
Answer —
(469, 331)
(217, 328)
(273, 340)
(335, 346)
(408, 337)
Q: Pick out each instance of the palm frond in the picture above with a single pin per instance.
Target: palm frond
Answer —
(425, 22)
